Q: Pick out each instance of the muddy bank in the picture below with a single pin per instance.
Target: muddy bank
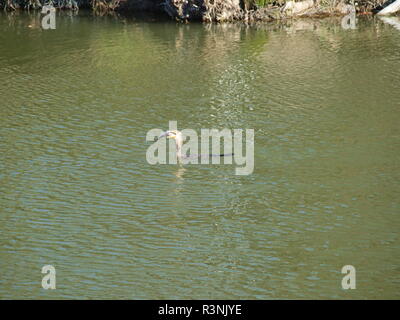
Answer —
(214, 10)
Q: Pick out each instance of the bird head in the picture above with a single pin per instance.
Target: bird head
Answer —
(170, 134)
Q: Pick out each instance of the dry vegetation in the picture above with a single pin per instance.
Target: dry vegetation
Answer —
(210, 10)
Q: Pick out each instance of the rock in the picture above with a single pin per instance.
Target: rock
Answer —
(292, 8)
(390, 9)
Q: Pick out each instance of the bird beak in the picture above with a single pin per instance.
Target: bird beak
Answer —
(168, 135)
(165, 134)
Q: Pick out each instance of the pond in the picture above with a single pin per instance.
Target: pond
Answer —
(77, 192)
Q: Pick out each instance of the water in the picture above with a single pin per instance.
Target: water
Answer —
(77, 192)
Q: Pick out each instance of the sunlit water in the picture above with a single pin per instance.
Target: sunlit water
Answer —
(78, 194)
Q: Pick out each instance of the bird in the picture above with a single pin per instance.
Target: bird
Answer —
(177, 136)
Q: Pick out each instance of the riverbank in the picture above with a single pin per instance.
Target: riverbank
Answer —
(213, 10)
